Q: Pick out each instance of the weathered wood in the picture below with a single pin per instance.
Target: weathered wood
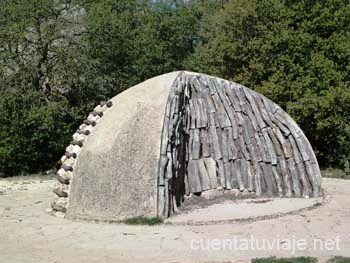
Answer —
(260, 148)
(228, 179)
(204, 139)
(277, 180)
(285, 176)
(210, 165)
(203, 175)
(304, 181)
(250, 176)
(255, 109)
(296, 154)
(192, 113)
(215, 143)
(225, 145)
(203, 113)
(208, 101)
(295, 177)
(231, 92)
(161, 201)
(239, 175)
(276, 144)
(193, 177)
(285, 145)
(244, 173)
(196, 144)
(163, 162)
(301, 145)
(211, 119)
(314, 184)
(257, 178)
(243, 147)
(221, 173)
(267, 177)
(270, 147)
(197, 113)
(280, 125)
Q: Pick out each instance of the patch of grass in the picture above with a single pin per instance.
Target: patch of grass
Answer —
(142, 220)
(285, 260)
(339, 260)
(335, 173)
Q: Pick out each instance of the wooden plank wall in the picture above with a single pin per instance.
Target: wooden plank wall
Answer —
(221, 134)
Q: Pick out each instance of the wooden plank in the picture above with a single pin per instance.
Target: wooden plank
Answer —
(285, 144)
(193, 177)
(244, 173)
(301, 142)
(278, 180)
(246, 135)
(197, 113)
(242, 145)
(255, 109)
(295, 176)
(270, 148)
(211, 119)
(161, 202)
(233, 173)
(314, 184)
(204, 143)
(257, 179)
(221, 173)
(285, 176)
(192, 114)
(231, 92)
(267, 176)
(250, 176)
(276, 144)
(241, 95)
(296, 153)
(262, 109)
(225, 145)
(196, 144)
(208, 100)
(228, 179)
(215, 143)
(203, 113)
(238, 174)
(203, 176)
(304, 180)
(210, 166)
(163, 162)
(260, 148)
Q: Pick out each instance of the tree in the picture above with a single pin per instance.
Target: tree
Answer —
(294, 52)
(45, 85)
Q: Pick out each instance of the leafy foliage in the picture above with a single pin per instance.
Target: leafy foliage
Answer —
(60, 57)
(294, 52)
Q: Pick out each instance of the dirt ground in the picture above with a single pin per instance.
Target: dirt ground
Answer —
(29, 234)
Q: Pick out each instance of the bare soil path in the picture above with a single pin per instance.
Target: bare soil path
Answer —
(29, 234)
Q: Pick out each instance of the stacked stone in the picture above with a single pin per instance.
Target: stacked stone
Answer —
(66, 172)
(221, 134)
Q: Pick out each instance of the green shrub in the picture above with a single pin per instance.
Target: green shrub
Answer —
(285, 260)
(142, 220)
